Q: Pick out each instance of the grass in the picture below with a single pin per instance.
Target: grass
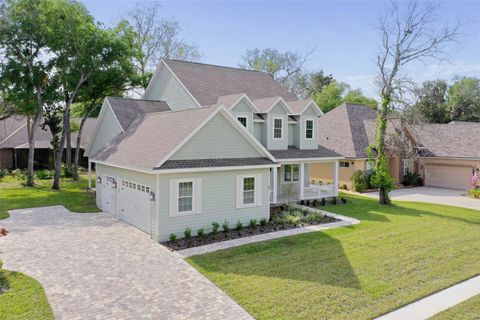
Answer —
(25, 299)
(395, 256)
(13, 195)
(467, 310)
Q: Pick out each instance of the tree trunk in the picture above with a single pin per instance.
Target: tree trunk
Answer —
(77, 149)
(68, 151)
(382, 161)
(32, 130)
(58, 155)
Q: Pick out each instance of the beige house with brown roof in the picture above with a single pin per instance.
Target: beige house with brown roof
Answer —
(206, 144)
(446, 152)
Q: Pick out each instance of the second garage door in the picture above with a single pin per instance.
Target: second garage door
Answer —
(135, 205)
(453, 177)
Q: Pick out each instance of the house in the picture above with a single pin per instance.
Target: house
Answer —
(14, 144)
(445, 153)
(205, 144)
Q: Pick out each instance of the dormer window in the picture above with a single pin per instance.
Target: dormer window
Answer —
(277, 128)
(308, 129)
(243, 120)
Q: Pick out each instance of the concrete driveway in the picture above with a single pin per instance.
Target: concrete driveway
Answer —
(95, 267)
(451, 197)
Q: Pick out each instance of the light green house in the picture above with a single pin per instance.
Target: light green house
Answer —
(205, 144)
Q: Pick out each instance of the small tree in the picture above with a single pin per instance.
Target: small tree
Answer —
(408, 34)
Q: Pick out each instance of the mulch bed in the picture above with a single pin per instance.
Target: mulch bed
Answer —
(196, 241)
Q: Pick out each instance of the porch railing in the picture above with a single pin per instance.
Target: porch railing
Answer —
(318, 191)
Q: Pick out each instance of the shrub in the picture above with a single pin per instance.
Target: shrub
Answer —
(187, 233)
(239, 226)
(307, 203)
(44, 174)
(302, 202)
(344, 187)
(226, 226)
(173, 237)
(252, 223)
(474, 193)
(323, 202)
(2, 173)
(293, 219)
(201, 232)
(412, 179)
(215, 226)
(334, 200)
(343, 200)
(314, 203)
(359, 183)
(19, 174)
(263, 222)
(313, 217)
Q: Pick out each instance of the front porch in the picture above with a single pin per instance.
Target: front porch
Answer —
(293, 182)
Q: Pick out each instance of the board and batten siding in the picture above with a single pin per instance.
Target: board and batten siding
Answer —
(108, 129)
(132, 176)
(217, 139)
(277, 144)
(218, 202)
(167, 88)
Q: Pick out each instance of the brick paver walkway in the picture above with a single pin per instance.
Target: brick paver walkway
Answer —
(94, 267)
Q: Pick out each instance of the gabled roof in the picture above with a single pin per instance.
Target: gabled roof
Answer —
(232, 100)
(299, 106)
(152, 139)
(126, 110)
(266, 104)
(9, 125)
(208, 82)
(452, 140)
(343, 130)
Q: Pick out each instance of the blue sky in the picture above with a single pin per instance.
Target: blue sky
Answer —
(342, 33)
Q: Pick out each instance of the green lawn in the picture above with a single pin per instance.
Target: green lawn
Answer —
(395, 256)
(467, 310)
(25, 299)
(72, 195)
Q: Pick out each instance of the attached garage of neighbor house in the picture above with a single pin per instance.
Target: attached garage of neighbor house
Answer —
(453, 174)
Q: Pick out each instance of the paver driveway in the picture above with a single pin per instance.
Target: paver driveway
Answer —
(95, 267)
(450, 197)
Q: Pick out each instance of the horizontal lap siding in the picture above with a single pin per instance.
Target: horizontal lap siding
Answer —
(108, 129)
(218, 202)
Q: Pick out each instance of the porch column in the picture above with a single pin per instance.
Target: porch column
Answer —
(89, 174)
(335, 177)
(274, 182)
(302, 179)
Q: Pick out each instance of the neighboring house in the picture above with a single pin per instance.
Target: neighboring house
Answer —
(205, 144)
(445, 153)
(14, 144)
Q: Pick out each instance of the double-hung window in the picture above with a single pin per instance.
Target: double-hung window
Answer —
(185, 196)
(249, 190)
(308, 129)
(344, 164)
(291, 173)
(243, 120)
(406, 166)
(277, 128)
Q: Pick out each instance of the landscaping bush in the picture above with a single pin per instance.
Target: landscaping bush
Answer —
(294, 219)
(412, 179)
(343, 200)
(313, 217)
(323, 202)
(187, 233)
(314, 203)
(239, 226)
(201, 232)
(173, 237)
(226, 227)
(3, 173)
(44, 174)
(19, 174)
(474, 193)
(359, 183)
(334, 200)
(252, 223)
(215, 227)
(344, 187)
(263, 222)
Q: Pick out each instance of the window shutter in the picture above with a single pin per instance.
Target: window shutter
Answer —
(258, 189)
(239, 192)
(197, 188)
(173, 196)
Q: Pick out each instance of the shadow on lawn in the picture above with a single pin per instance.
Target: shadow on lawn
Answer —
(314, 257)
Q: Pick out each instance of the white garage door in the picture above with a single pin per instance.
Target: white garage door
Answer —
(453, 177)
(135, 205)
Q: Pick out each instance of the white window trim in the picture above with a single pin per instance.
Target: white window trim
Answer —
(239, 115)
(283, 173)
(258, 191)
(407, 167)
(196, 197)
(305, 129)
(273, 128)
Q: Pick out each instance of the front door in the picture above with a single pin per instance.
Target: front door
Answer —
(108, 199)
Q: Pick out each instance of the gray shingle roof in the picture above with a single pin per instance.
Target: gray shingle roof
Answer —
(204, 163)
(452, 140)
(207, 82)
(295, 153)
(126, 110)
(10, 124)
(344, 130)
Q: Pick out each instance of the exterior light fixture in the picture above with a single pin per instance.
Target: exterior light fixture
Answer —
(99, 180)
(114, 184)
(151, 196)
